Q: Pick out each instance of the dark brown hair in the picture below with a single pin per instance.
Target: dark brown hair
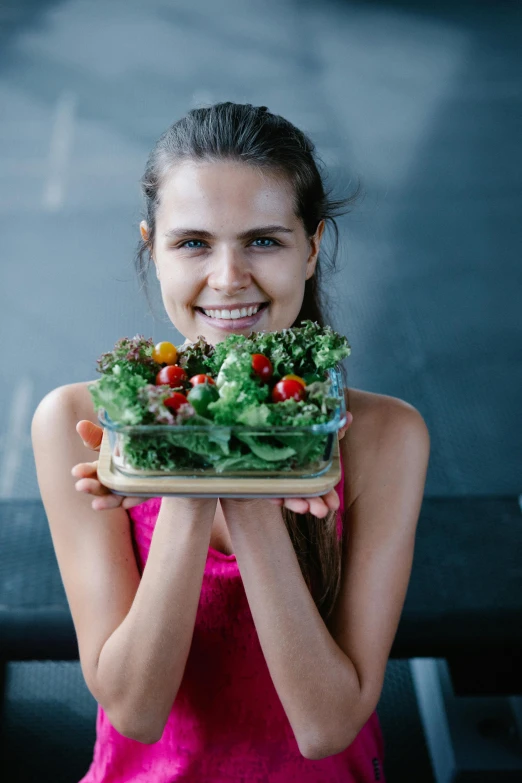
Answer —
(256, 137)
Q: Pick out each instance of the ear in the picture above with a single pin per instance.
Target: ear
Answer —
(144, 231)
(315, 242)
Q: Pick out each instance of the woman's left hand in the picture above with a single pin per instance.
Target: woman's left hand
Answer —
(318, 506)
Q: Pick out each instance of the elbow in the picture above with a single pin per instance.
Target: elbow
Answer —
(315, 752)
(146, 734)
(324, 741)
(320, 748)
(132, 717)
(311, 753)
(138, 734)
(145, 739)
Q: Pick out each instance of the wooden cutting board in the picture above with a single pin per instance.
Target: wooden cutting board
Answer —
(214, 486)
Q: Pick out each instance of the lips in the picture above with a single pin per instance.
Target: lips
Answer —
(237, 306)
(231, 324)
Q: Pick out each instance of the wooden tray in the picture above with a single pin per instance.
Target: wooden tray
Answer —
(214, 486)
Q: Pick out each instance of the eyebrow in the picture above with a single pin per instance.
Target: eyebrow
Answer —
(181, 233)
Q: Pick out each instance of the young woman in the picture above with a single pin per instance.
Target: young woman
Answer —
(236, 640)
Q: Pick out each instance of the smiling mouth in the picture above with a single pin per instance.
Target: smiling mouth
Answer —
(263, 306)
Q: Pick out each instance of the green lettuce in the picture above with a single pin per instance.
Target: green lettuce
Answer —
(299, 349)
(128, 393)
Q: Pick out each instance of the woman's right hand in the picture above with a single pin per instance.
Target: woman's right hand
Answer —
(86, 472)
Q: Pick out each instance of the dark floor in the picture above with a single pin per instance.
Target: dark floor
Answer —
(421, 101)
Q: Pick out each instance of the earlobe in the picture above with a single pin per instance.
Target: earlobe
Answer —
(315, 243)
(144, 231)
(311, 264)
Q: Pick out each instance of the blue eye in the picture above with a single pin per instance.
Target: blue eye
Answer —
(190, 240)
(260, 239)
(265, 239)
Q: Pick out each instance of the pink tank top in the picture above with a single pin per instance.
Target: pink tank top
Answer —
(227, 724)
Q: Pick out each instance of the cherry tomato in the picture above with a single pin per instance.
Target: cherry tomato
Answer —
(262, 366)
(171, 374)
(201, 379)
(165, 353)
(176, 400)
(286, 390)
(293, 377)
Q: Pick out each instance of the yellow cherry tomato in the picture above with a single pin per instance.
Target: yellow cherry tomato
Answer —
(165, 353)
(292, 377)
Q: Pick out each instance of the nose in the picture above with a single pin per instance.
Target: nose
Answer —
(230, 271)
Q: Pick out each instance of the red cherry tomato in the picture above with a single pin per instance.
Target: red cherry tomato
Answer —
(171, 374)
(176, 400)
(202, 379)
(262, 366)
(286, 390)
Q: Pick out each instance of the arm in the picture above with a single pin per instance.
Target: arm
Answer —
(141, 664)
(306, 666)
(330, 683)
(133, 634)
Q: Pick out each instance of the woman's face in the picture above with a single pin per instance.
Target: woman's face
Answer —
(214, 250)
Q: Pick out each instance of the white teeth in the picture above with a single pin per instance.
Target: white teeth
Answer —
(229, 314)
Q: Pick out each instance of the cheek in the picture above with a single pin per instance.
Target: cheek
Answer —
(177, 287)
(280, 274)
(286, 285)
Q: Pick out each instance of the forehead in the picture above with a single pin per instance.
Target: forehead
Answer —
(225, 191)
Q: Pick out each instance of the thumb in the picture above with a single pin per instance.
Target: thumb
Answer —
(90, 433)
(349, 419)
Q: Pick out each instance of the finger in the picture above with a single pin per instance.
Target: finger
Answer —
(130, 502)
(85, 469)
(332, 500)
(349, 419)
(92, 486)
(318, 507)
(106, 502)
(299, 505)
(90, 433)
(325, 503)
(276, 501)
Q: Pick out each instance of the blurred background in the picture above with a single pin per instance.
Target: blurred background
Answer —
(419, 101)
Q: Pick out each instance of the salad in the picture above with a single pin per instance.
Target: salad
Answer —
(246, 403)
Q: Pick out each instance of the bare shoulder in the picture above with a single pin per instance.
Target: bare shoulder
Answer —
(80, 394)
(380, 422)
(77, 398)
